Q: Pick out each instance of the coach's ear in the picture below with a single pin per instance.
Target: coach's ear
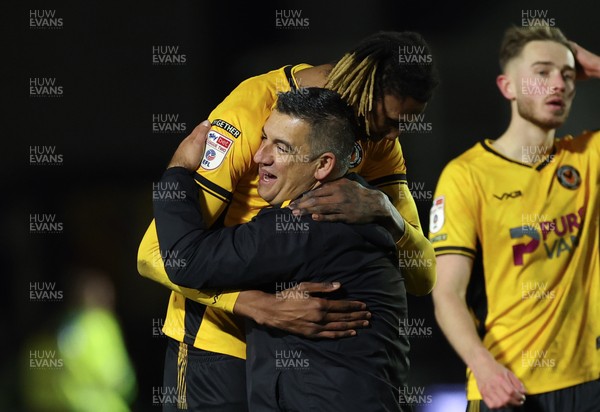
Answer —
(325, 165)
(506, 86)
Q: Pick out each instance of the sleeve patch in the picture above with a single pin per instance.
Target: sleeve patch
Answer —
(439, 238)
(217, 147)
(436, 216)
(227, 127)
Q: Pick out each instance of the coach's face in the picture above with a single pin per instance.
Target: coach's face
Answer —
(285, 167)
(543, 83)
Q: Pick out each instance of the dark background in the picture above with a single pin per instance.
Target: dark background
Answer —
(102, 125)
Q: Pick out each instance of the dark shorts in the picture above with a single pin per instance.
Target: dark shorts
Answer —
(198, 380)
(584, 397)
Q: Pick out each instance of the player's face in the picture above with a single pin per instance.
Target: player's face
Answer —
(285, 167)
(389, 112)
(544, 77)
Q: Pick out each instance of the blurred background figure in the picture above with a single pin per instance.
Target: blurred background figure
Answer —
(80, 363)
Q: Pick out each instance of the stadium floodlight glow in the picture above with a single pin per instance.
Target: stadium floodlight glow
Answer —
(445, 398)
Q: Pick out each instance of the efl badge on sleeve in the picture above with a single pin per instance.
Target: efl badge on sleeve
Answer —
(436, 216)
(217, 147)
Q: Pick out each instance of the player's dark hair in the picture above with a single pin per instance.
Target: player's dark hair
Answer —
(396, 63)
(334, 127)
(515, 38)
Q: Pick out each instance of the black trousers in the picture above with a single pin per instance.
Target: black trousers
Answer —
(198, 380)
(291, 398)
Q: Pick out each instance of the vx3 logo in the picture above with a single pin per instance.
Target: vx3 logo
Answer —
(510, 195)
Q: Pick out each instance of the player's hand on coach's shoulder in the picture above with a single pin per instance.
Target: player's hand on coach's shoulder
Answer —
(588, 63)
(296, 311)
(341, 200)
(344, 200)
(190, 151)
(498, 386)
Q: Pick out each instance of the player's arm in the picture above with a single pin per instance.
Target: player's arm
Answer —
(499, 387)
(588, 67)
(313, 317)
(453, 231)
(240, 256)
(151, 265)
(416, 255)
(392, 206)
(230, 159)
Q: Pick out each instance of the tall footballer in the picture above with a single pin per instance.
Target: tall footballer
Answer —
(528, 327)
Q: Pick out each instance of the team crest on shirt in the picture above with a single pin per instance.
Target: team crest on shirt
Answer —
(568, 177)
(436, 215)
(356, 156)
(217, 147)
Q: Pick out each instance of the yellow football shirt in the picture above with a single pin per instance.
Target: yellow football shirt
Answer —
(536, 226)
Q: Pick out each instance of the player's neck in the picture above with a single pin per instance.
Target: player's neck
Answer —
(313, 76)
(522, 136)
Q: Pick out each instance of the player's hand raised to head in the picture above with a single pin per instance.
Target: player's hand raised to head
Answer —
(588, 62)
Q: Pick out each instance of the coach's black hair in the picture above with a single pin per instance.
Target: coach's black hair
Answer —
(334, 127)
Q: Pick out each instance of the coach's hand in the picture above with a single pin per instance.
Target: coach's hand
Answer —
(498, 386)
(191, 149)
(296, 311)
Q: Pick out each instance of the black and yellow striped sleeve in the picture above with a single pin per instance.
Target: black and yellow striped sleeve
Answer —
(211, 189)
(392, 179)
